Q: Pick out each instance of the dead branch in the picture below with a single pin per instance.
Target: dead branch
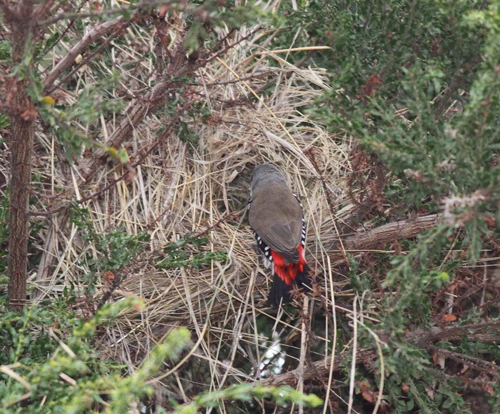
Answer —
(44, 9)
(389, 233)
(420, 338)
(483, 331)
(106, 13)
(317, 369)
(68, 60)
(141, 107)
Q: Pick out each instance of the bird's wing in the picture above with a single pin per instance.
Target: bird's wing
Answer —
(276, 216)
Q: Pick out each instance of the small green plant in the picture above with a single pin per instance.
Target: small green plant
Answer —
(182, 253)
(116, 249)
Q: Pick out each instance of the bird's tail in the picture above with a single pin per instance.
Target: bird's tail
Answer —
(281, 292)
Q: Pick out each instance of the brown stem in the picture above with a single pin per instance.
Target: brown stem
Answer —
(21, 147)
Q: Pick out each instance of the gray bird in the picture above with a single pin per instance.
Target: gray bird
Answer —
(275, 215)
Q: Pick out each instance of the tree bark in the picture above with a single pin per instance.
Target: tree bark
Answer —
(22, 118)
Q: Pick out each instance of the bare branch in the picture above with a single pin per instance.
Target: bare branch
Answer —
(140, 107)
(44, 9)
(391, 232)
(112, 12)
(66, 62)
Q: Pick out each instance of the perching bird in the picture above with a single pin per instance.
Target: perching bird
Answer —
(275, 215)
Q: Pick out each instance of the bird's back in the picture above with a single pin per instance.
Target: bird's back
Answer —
(276, 216)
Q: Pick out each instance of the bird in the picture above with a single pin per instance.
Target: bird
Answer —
(275, 216)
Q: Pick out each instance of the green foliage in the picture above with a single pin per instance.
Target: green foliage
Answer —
(117, 248)
(4, 122)
(400, 75)
(179, 254)
(416, 281)
(93, 102)
(49, 364)
(5, 50)
(245, 392)
(111, 251)
(186, 134)
(417, 83)
(405, 56)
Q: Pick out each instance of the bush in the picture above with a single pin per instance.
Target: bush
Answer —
(417, 86)
(50, 365)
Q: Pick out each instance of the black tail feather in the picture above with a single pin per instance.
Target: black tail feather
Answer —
(282, 293)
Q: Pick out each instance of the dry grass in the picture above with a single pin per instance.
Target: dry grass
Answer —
(181, 188)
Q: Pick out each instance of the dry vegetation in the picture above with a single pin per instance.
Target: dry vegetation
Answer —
(195, 180)
(179, 188)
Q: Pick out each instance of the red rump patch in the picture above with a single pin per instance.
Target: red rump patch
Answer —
(288, 272)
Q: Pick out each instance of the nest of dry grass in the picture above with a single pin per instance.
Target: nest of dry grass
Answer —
(181, 188)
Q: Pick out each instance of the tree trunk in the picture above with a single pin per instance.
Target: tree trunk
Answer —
(22, 120)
